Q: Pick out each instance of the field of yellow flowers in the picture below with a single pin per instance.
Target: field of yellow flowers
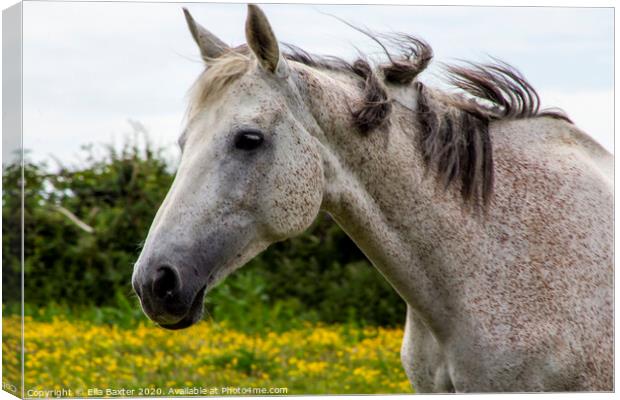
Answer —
(86, 359)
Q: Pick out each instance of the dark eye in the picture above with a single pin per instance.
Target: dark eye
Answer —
(248, 139)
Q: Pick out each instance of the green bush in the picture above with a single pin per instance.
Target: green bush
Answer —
(318, 276)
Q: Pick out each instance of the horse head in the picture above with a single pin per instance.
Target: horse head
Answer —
(250, 174)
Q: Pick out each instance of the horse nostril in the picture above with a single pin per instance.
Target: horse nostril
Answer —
(166, 282)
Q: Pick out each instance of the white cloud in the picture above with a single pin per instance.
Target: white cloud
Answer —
(89, 67)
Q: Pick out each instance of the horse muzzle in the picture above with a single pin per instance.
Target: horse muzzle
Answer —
(169, 298)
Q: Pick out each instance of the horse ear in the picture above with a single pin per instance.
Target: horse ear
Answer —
(210, 45)
(263, 42)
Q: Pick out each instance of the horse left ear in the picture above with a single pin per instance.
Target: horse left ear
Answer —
(263, 42)
(210, 45)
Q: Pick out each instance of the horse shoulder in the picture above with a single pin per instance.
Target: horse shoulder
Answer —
(556, 181)
(554, 201)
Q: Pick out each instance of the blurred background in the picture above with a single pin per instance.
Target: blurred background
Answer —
(104, 101)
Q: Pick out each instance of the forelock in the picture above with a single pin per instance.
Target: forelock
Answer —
(219, 73)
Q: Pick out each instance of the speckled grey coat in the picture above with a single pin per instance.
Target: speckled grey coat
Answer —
(519, 299)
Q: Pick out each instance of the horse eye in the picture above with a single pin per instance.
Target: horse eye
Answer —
(248, 140)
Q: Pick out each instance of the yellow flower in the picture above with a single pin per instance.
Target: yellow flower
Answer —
(314, 359)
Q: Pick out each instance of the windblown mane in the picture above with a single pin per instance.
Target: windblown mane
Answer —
(454, 136)
(454, 129)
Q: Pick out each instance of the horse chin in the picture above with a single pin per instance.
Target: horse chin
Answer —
(193, 315)
(218, 275)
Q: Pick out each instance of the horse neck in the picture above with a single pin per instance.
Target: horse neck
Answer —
(380, 192)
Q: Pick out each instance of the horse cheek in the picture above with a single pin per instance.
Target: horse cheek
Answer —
(293, 198)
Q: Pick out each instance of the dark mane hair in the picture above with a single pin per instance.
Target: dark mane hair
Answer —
(453, 135)
(454, 129)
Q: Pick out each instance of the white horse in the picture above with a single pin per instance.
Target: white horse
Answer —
(492, 219)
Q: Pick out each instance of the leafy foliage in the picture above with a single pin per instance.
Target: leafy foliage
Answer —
(311, 359)
(318, 276)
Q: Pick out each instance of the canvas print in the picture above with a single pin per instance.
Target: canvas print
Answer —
(211, 199)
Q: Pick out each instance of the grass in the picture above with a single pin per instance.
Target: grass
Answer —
(142, 359)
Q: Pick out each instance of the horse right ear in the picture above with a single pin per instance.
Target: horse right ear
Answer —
(263, 42)
(210, 45)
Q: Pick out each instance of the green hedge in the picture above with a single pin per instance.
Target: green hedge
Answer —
(319, 276)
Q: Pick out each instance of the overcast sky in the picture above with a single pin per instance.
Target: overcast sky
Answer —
(89, 68)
